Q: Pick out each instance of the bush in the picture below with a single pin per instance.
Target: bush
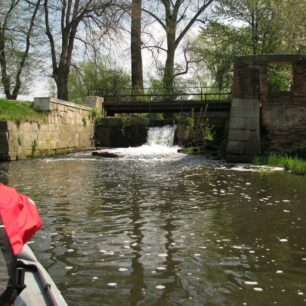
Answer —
(202, 133)
(189, 121)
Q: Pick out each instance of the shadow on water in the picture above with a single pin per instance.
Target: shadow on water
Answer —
(172, 230)
(137, 274)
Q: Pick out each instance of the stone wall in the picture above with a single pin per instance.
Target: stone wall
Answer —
(121, 132)
(283, 114)
(68, 127)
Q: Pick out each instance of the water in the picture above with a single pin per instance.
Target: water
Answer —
(159, 145)
(169, 229)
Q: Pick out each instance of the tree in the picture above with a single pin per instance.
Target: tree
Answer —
(249, 27)
(66, 17)
(178, 19)
(261, 18)
(17, 19)
(136, 57)
(293, 26)
(216, 46)
(101, 74)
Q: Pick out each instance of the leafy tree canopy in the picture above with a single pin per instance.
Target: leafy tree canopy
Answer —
(102, 76)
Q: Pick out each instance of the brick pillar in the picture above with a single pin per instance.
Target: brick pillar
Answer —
(244, 125)
(299, 78)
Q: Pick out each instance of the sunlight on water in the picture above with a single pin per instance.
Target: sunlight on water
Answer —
(156, 227)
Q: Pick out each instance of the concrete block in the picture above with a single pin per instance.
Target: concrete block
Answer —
(235, 147)
(232, 158)
(42, 103)
(239, 135)
(245, 108)
(94, 101)
(252, 124)
(252, 149)
(237, 123)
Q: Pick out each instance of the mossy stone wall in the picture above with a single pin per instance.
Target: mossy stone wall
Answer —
(69, 127)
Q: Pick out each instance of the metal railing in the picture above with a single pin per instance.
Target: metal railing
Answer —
(150, 95)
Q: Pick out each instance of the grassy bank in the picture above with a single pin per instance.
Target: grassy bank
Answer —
(290, 163)
(19, 111)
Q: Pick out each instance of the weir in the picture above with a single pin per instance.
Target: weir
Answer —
(159, 143)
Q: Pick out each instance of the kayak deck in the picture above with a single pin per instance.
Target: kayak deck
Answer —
(40, 288)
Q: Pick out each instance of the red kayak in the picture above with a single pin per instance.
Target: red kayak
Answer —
(23, 280)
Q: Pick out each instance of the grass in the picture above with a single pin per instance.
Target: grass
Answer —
(289, 163)
(19, 111)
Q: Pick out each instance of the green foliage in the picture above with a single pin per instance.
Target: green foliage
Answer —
(279, 77)
(95, 113)
(100, 77)
(156, 116)
(19, 111)
(189, 121)
(34, 146)
(156, 87)
(202, 133)
(250, 27)
(290, 163)
(217, 45)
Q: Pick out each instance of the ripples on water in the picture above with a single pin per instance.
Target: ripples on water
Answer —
(171, 230)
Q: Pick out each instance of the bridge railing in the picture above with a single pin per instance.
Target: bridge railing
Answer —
(151, 95)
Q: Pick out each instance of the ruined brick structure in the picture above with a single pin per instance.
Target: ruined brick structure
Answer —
(280, 116)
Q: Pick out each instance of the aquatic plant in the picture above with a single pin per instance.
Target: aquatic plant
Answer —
(289, 163)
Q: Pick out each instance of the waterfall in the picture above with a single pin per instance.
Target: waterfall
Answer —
(162, 136)
(159, 146)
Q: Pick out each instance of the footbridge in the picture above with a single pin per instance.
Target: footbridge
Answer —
(151, 101)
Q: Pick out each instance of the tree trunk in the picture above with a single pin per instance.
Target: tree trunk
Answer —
(69, 24)
(136, 57)
(61, 80)
(168, 77)
(5, 79)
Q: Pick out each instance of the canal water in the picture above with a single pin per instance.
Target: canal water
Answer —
(164, 228)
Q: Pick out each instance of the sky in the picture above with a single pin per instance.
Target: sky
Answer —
(121, 54)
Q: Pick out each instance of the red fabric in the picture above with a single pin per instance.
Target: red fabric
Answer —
(19, 216)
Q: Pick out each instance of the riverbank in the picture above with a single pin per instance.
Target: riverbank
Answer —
(289, 163)
(19, 111)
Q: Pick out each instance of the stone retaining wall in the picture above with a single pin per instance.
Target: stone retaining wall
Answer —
(121, 132)
(68, 127)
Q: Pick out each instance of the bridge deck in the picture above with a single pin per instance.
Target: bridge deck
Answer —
(166, 107)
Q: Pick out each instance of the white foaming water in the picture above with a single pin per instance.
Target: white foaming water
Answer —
(159, 144)
(161, 136)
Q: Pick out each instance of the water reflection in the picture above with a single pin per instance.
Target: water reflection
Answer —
(172, 231)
